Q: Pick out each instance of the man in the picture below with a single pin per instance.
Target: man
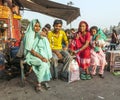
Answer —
(56, 37)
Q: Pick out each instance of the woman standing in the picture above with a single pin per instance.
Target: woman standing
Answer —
(37, 53)
(80, 46)
(114, 40)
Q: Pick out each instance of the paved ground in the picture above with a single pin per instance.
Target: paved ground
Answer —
(95, 89)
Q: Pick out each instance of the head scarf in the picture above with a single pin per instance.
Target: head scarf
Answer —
(30, 34)
(102, 35)
(85, 24)
(78, 32)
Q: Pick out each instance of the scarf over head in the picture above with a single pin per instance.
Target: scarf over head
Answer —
(87, 27)
(102, 35)
(30, 34)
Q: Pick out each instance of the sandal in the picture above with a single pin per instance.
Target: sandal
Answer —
(46, 86)
(88, 77)
(38, 88)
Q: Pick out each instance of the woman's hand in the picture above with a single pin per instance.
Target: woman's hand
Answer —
(76, 51)
(39, 56)
(33, 52)
(72, 52)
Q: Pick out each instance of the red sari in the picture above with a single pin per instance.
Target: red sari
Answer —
(82, 57)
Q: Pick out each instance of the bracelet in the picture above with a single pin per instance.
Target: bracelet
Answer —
(78, 50)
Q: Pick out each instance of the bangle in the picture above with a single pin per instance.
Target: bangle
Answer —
(78, 50)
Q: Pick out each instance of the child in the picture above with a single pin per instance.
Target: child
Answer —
(97, 54)
(44, 32)
(98, 38)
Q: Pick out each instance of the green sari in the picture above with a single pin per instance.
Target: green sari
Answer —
(40, 45)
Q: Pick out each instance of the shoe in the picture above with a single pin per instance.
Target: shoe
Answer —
(101, 76)
(47, 87)
(83, 76)
(88, 77)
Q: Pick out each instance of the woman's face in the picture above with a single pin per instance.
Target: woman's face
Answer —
(93, 31)
(37, 27)
(82, 27)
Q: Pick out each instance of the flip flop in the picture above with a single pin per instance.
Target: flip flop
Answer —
(83, 76)
(88, 77)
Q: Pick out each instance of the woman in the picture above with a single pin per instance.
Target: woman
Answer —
(80, 46)
(37, 53)
(114, 40)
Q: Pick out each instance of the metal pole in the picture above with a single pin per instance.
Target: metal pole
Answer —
(70, 3)
(70, 25)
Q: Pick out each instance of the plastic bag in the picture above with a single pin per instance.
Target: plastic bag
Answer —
(74, 72)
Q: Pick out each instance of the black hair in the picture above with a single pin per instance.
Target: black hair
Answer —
(57, 21)
(48, 26)
(37, 21)
(67, 31)
(94, 27)
(72, 29)
(114, 31)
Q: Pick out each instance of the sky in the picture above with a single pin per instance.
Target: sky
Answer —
(101, 13)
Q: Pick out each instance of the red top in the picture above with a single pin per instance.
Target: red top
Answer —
(79, 41)
(83, 57)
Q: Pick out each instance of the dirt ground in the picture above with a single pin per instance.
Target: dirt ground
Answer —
(95, 89)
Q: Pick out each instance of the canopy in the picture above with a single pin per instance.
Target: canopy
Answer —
(65, 12)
